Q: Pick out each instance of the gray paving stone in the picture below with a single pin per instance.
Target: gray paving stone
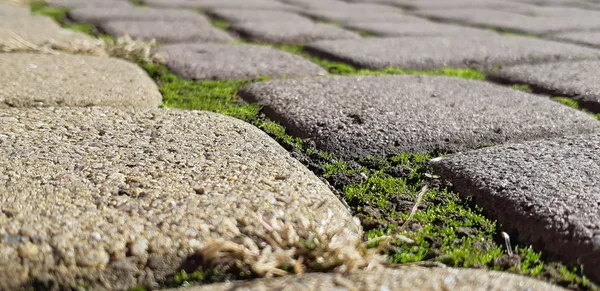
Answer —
(13, 11)
(378, 115)
(553, 11)
(546, 191)
(218, 4)
(403, 278)
(577, 79)
(73, 80)
(257, 15)
(316, 4)
(165, 31)
(357, 16)
(233, 62)
(123, 198)
(480, 51)
(591, 38)
(445, 4)
(420, 28)
(513, 21)
(97, 15)
(291, 32)
(90, 3)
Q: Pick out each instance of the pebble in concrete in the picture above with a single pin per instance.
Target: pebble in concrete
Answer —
(403, 278)
(585, 38)
(73, 80)
(123, 198)
(165, 31)
(577, 79)
(514, 22)
(437, 52)
(378, 115)
(256, 15)
(217, 4)
(97, 15)
(234, 62)
(420, 28)
(291, 32)
(546, 191)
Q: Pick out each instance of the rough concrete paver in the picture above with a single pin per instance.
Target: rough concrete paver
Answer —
(458, 51)
(123, 198)
(316, 4)
(577, 79)
(512, 21)
(73, 80)
(165, 31)
(353, 16)
(13, 11)
(291, 32)
(420, 28)
(445, 4)
(257, 15)
(97, 15)
(90, 3)
(546, 191)
(553, 11)
(217, 4)
(403, 278)
(377, 115)
(234, 62)
(591, 38)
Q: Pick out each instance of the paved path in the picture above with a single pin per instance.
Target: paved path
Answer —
(99, 187)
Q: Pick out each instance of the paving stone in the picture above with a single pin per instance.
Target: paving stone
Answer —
(578, 79)
(354, 16)
(591, 38)
(377, 115)
(165, 31)
(233, 62)
(291, 32)
(90, 3)
(402, 278)
(421, 28)
(445, 4)
(316, 4)
(513, 21)
(437, 52)
(256, 15)
(97, 15)
(35, 33)
(124, 198)
(541, 11)
(546, 191)
(217, 4)
(73, 80)
(7, 10)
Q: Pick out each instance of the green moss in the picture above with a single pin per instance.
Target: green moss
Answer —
(521, 87)
(138, 288)
(59, 15)
(138, 3)
(576, 104)
(219, 23)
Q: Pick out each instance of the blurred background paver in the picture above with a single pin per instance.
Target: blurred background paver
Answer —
(235, 62)
(591, 38)
(96, 15)
(257, 15)
(580, 80)
(546, 191)
(291, 32)
(216, 4)
(73, 80)
(378, 115)
(438, 52)
(356, 15)
(90, 3)
(165, 31)
(124, 198)
(419, 28)
(403, 278)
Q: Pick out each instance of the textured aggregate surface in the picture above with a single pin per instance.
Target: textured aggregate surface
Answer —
(234, 62)
(546, 191)
(257, 15)
(438, 52)
(216, 4)
(291, 32)
(352, 16)
(378, 115)
(90, 3)
(73, 80)
(404, 278)
(591, 38)
(121, 198)
(420, 28)
(577, 79)
(97, 15)
(166, 31)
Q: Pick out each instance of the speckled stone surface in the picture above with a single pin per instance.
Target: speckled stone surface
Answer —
(482, 51)
(217, 4)
(591, 38)
(377, 115)
(97, 15)
(90, 3)
(234, 62)
(257, 15)
(123, 198)
(546, 191)
(512, 21)
(353, 16)
(42, 80)
(165, 31)
(576, 79)
(403, 278)
(291, 32)
(419, 28)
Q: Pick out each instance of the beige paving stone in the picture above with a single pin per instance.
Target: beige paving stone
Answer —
(73, 80)
(404, 278)
(115, 198)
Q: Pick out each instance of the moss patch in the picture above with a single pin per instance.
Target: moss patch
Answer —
(574, 104)
(59, 15)
(521, 87)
